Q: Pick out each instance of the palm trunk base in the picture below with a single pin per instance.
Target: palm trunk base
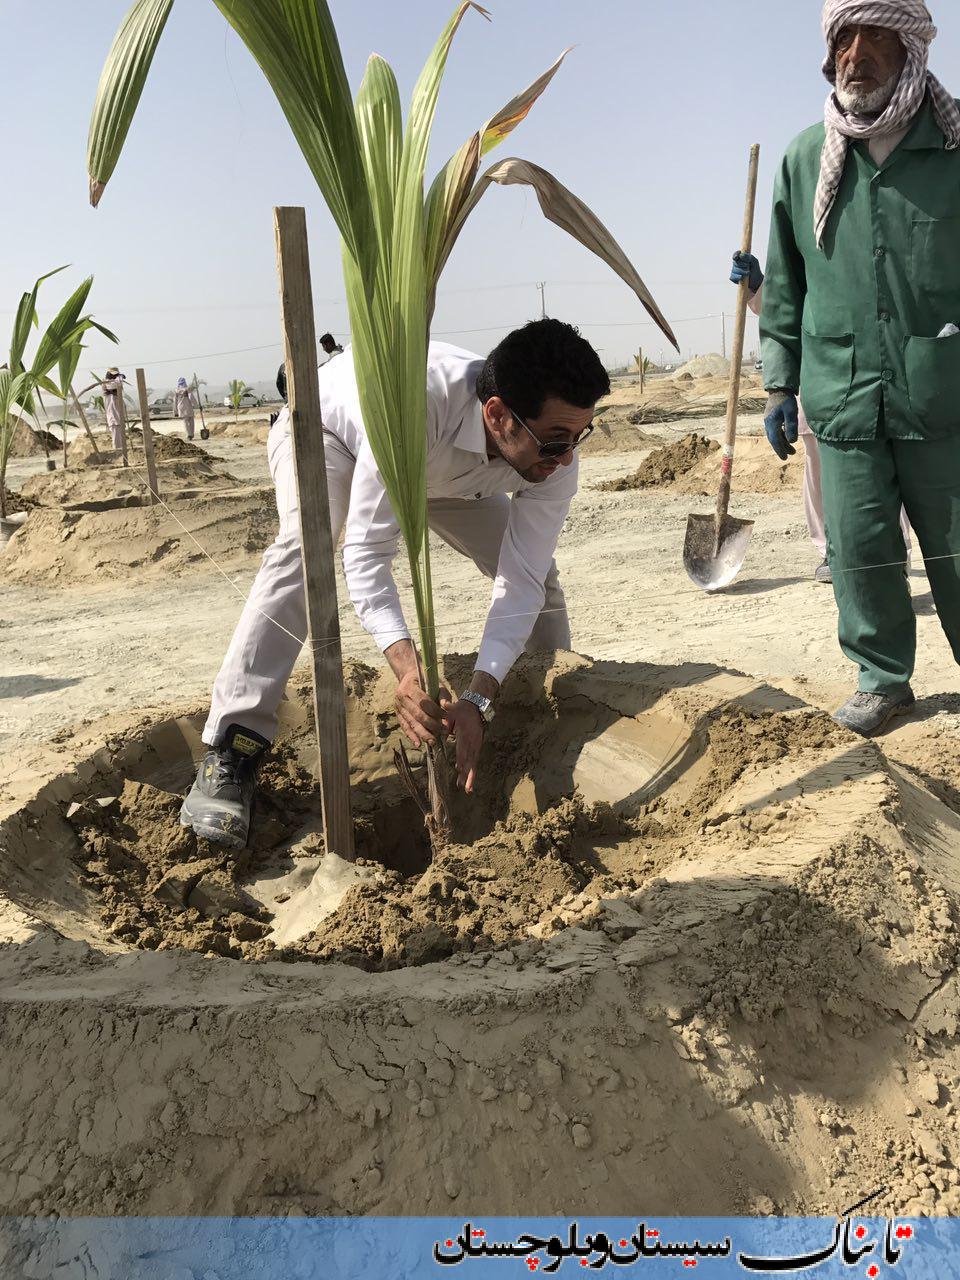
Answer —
(434, 804)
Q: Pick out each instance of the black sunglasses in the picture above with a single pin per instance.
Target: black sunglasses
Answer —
(555, 448)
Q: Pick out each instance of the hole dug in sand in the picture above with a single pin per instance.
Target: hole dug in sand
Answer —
(592, 783)
(696, 951)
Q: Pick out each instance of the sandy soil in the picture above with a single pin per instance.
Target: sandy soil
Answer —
(695, 946)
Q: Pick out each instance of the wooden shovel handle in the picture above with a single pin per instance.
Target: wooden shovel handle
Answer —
(736, 358)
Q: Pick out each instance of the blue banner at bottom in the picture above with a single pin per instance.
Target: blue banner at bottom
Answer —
(867, 1248)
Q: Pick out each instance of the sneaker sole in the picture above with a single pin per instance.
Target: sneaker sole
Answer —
(216, 835)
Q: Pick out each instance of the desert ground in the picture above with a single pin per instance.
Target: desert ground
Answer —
(694, 946)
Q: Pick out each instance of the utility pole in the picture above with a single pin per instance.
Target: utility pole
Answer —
(543, 302)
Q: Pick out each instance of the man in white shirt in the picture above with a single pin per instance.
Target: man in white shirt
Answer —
(507, 425)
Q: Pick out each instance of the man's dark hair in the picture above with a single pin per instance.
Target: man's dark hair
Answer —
(327, 337)
(545, 358)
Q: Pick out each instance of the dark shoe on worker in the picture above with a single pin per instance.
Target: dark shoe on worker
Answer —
(220, 800)
(869, 713)
(822, 573)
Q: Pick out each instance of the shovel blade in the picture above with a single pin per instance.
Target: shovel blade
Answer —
(710, 562)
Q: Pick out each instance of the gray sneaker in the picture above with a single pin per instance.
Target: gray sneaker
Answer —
(868, 713)
(822, 573)
(221, 799)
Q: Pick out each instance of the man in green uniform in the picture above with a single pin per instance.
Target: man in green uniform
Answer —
(860, 316)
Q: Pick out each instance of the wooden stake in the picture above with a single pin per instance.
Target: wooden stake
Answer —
(147, 438)
(319, 575)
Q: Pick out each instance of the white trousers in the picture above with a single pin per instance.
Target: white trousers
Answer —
(187, 421)
(251, 682)
(813, 493)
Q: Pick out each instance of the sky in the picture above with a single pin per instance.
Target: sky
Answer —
(649, 121)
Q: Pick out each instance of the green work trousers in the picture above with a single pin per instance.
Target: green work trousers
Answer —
(864, 483)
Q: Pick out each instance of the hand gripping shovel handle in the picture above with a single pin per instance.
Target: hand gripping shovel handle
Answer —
(736, 359)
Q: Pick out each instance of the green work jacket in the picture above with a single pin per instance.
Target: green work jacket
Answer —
(854, 325)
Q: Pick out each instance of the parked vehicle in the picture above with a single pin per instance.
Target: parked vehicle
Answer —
(162, 407)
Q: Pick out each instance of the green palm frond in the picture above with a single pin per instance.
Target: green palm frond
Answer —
(370, 169)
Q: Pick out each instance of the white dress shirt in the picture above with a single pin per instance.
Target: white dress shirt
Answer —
(457, 467)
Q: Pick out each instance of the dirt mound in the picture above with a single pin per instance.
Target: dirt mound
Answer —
(165, 448)
(15, 501)
(251, 430)
(76, 547)
(756, 469)
(688, 916)
(665, 465)
(614, 434)
(711, 366)
(27, 442)
(103, 488)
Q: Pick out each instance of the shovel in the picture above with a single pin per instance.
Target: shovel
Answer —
(204, 433)
(715, 546)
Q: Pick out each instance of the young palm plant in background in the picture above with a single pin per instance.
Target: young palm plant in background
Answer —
(236, 391)
(370, 170)
(60, 345)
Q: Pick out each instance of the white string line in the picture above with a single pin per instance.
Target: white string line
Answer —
(223, 573)
(323, 642)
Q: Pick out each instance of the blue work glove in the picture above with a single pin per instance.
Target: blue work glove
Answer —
(747, 267)
(782, 423)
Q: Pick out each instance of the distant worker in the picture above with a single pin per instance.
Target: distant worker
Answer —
(112, 387)
(184, 406)
(747, 267)
(328, 345)
(509, 424)
(861, 312)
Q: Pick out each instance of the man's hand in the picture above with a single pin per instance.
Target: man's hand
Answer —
(747, 267)
(782, 423)
(421, 719)
(467, 729)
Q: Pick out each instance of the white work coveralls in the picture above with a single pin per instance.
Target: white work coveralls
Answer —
(184, 406)
(510, 540)
(113, 406)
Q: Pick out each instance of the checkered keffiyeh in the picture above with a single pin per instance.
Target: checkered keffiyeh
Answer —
(912, 22)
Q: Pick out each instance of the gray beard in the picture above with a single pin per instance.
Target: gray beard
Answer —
(868, 104)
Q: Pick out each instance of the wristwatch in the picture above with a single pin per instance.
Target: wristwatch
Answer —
(483, 705)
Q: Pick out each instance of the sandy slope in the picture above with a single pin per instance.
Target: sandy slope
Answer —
(723, 980)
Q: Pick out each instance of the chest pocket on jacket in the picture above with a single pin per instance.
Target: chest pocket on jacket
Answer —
(935, 270)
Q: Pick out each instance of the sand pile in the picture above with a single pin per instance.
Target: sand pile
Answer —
(614, 434)
(90, 488)
(688, 466)
(27, 442)
(165, 448)
(665, 465)
(15, 501)
(756, 469)
(712, 366)
(698, 950)
(251, 430)
(77, 547)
